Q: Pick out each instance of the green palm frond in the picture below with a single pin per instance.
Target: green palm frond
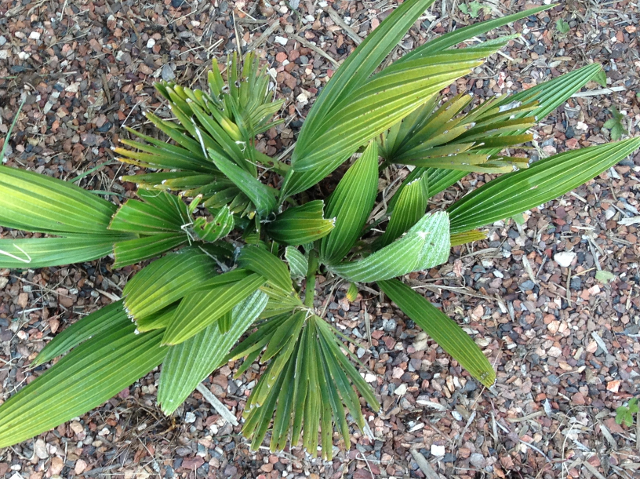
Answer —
(308, 384)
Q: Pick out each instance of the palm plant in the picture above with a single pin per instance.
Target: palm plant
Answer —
(237, 238)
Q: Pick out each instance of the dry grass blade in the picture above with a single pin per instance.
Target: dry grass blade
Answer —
(217, 405)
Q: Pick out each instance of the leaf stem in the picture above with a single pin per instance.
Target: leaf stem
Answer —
(310, 290)
(278, 166)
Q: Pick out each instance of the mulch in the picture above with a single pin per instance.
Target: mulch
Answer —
(564, 343)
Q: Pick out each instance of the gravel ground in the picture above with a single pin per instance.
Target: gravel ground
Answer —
(564, 344)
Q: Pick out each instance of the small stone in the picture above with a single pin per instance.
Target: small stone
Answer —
(527, 285)
(564, 258)
(554, 352)
(56, 466)
(539, 48)
(167, 72)
(192, 463)
(281, 56)
(421, 342)
(477, 312)
(190, 418)
(34, 36)
(612, 426)
(303, 99)
(3, 40)
(437, 450)
(464, 452)
(151, 43)
(401, 390)
(614, 386)
(40, 449)
(81, 466)
(76, 427)
(23, 300)
(478, 460)
(183, 451)
(265, 8)
(389, 325)
(281, 40)
(578, 399)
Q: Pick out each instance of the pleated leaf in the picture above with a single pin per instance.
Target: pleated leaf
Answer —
(260, 195)
(350, 204)
(555, 92)
(39, 203)
(158, 320)
(546, 97)
(545, 180)
(358, 66)
(425, 245)
(92, 373)
(300, 225)
(172, 180)
(383, 101)
(159, 212)
(219, 227)
(45, 252)
(443, 42)
(260, 261)
(308, 383)
(167, 280)
(280, 301)
(190, 362)
(166, 156)
(442, 329)
(298, 263)
(410, 207)
(458, 239)
(199, 310)
(135, 250)
(109, 318)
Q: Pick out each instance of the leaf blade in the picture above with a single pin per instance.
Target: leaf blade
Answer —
(425, 245)
(39, 203)
(190, 362)
(442, 329)
(100, 368)
(545, 180)
(199, 310)
(351, 204)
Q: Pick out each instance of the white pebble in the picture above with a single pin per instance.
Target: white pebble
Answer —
(437, 450)
(564, 258)
(401, 390)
